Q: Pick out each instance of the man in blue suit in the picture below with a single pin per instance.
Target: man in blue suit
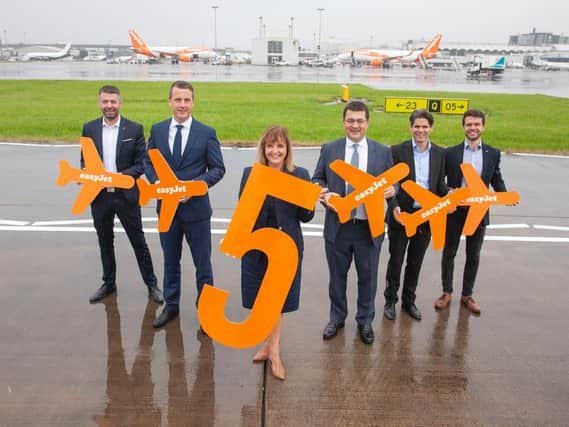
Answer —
(486, 161)
(351, 240)
(120, 144)
(193, 153)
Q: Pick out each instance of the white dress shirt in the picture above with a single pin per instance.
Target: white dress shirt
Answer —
(110, 138)
(185, 133)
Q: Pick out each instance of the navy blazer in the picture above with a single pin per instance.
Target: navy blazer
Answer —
(289, 215)
(131, 150)
(403, 153)
(378, 161)
(201, 160)
(491, 174)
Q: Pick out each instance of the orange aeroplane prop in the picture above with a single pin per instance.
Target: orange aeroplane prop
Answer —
(433, 209)
(94, 177)
(280, 249)
(368, 190)
(481, 199)
(169, 190)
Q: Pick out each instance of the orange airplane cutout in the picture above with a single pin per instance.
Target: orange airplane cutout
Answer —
(279, 247)
(368, 190)
(169, 190)
(433, 209)
(94, 177)
(481, 199)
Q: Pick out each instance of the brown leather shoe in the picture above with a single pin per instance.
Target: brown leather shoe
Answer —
(443, 301)
(472, 305)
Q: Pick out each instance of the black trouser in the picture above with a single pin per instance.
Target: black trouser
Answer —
(104, 209)
(455, 223)
(416, 246)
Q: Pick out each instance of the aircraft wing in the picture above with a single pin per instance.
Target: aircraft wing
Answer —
(88, 192)
(357, 178)
(163, 171)
(167, 211)
(473, 181)
(90, 155)
(423, 196)
(474, 218)
(438, 226)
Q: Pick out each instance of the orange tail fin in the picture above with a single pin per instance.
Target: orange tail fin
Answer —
(145, 191)
(410, 225)
(66, 174)
(432, 49)
(343, 207)
(138, 44)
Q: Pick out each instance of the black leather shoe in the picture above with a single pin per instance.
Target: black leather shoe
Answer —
(412, 310)
(164, 317)
(366, 333)
(102, 292)
(331, 330)
(155, 294)
(389, 310)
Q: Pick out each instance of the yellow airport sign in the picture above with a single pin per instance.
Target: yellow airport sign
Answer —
(442, 106)
(404, 105)
(454, 106)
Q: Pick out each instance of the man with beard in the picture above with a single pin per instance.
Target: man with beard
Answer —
(121, 145)
(486, 161)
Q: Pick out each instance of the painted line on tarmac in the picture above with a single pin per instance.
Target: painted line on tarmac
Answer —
(550, 227)
(506, 226)
(64, 145)
(58, 229)
(547, 156)
(10, 222)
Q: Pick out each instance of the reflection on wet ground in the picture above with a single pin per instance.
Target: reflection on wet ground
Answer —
(514, 81)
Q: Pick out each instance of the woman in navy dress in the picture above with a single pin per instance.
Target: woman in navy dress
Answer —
(274, 150)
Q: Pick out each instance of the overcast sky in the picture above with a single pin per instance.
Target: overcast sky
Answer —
(191, 23)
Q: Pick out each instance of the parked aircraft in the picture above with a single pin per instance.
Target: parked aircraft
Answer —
(47, 56)
(377, 57)
(551, 62)
(176, 53)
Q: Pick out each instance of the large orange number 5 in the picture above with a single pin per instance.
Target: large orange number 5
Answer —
(279, 247)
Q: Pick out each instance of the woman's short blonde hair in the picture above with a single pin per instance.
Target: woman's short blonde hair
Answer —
(275, 133)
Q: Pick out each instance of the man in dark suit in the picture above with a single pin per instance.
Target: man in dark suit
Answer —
(120, 144)
(193, 153)
(351, 240)
(486, 161)
(426, 163)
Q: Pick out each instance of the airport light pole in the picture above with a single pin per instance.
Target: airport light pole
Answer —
(291, 27)
(215, 26)
(320, 10)
(260, 27)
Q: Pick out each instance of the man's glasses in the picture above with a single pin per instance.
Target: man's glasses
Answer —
(355, 121)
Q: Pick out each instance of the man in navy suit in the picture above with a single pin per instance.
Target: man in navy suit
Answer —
(486, 161)
(193, 153)
(426, 163)
(120, 144)
(351, 240)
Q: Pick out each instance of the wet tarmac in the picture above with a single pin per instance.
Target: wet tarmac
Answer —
(514, 81)
(64, 361)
